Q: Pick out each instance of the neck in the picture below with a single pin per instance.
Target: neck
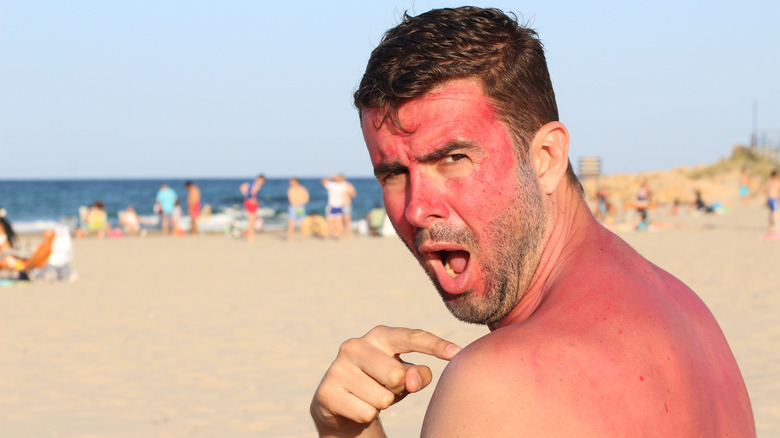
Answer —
(569, 216)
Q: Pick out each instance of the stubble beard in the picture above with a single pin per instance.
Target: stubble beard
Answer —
(516, 238)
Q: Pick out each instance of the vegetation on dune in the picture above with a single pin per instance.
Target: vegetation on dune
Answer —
(756, 165)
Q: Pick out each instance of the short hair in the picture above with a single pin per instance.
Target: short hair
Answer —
(188, 183)
(441, 45)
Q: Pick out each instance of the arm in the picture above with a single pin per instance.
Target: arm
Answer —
(368, 376)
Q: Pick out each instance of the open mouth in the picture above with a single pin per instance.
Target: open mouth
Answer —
(455, 262)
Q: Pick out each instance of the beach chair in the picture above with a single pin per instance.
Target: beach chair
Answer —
(15, 262)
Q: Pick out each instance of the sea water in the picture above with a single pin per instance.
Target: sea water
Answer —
(35, 205)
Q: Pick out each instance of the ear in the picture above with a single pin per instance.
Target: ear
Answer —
(550, 155)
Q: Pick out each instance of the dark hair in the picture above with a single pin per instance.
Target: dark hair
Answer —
(8, 230)
(188, 183)
(425, 51)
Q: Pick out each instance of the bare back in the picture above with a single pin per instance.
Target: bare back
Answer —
(618, 347)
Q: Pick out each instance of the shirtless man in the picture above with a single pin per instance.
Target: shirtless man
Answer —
(249, 190)
(338, 192)
(298, 197)
(193, 204)
(346, 216)
(772, 192)
(587, 338)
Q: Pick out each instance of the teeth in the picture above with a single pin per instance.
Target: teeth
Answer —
(449, 270)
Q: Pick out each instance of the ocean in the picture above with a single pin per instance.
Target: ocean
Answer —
(35, 205)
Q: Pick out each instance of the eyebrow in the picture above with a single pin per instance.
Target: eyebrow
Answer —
(388, 168)
(396, 167)
(447, 149)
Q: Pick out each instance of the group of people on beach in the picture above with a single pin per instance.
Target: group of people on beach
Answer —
(605, 210)
(337, 222)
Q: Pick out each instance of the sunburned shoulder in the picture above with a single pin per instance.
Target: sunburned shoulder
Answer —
(516, 380)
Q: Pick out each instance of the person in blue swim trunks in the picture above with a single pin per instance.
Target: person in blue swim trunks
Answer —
(772, 192)
(298, 197)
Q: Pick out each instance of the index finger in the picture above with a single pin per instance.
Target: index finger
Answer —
(400, 340)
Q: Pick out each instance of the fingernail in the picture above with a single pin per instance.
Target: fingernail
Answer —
(452, 349)
(417, 383)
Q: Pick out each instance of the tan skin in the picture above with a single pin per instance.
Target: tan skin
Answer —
(193, 201)
(298, 196)
(252, 215)
(598, 342)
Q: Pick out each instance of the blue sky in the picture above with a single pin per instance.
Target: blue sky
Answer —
(142, 88)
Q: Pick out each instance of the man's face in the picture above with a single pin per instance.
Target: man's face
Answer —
(459, 198)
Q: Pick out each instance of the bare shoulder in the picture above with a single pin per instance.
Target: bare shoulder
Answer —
(520, 379)
(599, 359)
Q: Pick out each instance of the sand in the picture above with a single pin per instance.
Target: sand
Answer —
(215, 337)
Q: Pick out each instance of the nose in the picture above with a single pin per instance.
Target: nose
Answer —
(425, 202)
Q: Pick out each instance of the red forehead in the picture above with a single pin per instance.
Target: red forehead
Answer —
(456, 109)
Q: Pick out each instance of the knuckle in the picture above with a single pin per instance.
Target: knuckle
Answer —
(418, 333)
(365, 416)
(396, 377)
(387, 400)
(349, 346)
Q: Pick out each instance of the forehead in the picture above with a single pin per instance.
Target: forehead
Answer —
(451, 101)
(457, 111)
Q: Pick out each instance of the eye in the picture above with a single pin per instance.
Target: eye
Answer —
(454, 157)
(396, 176)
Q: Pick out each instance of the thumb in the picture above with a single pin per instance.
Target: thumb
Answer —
(417, 377)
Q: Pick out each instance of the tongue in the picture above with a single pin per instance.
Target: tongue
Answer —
(458, 261)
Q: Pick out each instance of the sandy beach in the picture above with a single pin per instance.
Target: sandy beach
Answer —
(214, 337)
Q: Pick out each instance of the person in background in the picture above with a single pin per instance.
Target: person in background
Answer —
(166, 199)
(97, 220)
(130, 222)
(350, 194)
(298, 197)
(338, 192)
(771, 190)
(193, 205)
(744, 186)
(376, 220)
(249, 190)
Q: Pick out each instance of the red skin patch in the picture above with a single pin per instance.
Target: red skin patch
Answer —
(453, 164)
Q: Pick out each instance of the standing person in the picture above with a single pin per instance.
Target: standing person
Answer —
(772, 192)
(338, 191)
(643, 196)
(166, 197)
(250, 190)
(347, 213)
(587, 338)
(744, 186)
(298, 197)
(193, 205)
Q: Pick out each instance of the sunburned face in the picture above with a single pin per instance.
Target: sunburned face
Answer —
(459, 198)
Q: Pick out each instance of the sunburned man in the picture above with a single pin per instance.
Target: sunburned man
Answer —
(587, 338)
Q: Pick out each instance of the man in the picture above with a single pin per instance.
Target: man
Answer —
(346, 217)
(166, 199)
(772, 192)
(193, 205)
(588, 339)
(250, 190)
(298, 197)
(338, 191)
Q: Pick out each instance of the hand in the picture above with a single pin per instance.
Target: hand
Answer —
(369, 376)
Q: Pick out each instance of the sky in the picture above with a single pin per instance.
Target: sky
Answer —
(233, 88)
